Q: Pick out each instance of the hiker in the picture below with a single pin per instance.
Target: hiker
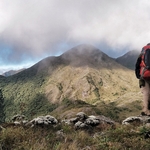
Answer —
(142, 71)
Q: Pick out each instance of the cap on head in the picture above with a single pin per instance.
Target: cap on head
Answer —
(148, 44)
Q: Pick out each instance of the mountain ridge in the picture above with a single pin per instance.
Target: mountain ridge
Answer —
(127, 60)
(81, 55)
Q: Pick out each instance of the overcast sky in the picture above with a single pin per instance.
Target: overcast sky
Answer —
(31, 30)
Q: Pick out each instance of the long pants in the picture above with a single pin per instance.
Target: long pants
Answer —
(146, 97)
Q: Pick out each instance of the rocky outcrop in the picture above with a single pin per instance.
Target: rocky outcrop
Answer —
(82, 121)
(39, 121)
(44, 120)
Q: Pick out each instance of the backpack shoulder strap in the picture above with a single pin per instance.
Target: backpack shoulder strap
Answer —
(146, 47)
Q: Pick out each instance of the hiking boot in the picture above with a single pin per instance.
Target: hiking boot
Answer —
(145, 114)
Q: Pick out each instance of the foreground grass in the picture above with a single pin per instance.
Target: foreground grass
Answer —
(119, 138)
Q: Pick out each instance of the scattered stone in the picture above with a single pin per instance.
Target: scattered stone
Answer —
(136, 119)
(17, 123)
(18, 118)
(60, 134)
(24, 122)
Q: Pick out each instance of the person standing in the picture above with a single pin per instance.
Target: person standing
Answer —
(142, 71)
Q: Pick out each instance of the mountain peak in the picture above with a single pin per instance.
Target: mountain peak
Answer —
(87, 55)
(129, 59)
(82, 49)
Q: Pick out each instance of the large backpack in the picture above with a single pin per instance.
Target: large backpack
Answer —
(145, 62)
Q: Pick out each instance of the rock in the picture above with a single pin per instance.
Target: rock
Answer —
(74, 120)
(80, 125)
(60, 135)
(66, 121)
(92, 120)
(81, 116)
(24, 122)
(29, 124)
(51, 119)
(70, 121)
(136, 119)
(44, 120)
(106, 120)
(17, 123)
(18, 118)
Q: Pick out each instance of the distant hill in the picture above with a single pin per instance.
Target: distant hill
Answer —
(81, 79)
(129, 59)
(12, 72)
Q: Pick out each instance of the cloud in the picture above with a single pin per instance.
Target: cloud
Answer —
(33, 29)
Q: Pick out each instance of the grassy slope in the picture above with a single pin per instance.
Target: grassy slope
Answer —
(56, 81)
(38, 94)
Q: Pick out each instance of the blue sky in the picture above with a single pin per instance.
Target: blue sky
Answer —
(31, 30)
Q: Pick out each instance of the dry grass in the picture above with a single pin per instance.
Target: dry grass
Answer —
(119, 138)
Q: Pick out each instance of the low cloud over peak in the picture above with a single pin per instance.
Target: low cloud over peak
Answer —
(33, 29)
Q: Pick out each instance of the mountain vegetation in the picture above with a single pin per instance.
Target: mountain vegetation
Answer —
(11, 72)
(81, 79)
(2, 114)
(83, 73)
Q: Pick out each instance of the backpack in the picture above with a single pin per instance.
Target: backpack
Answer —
(145, 62)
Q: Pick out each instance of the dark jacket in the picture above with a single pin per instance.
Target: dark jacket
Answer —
(137, 67)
